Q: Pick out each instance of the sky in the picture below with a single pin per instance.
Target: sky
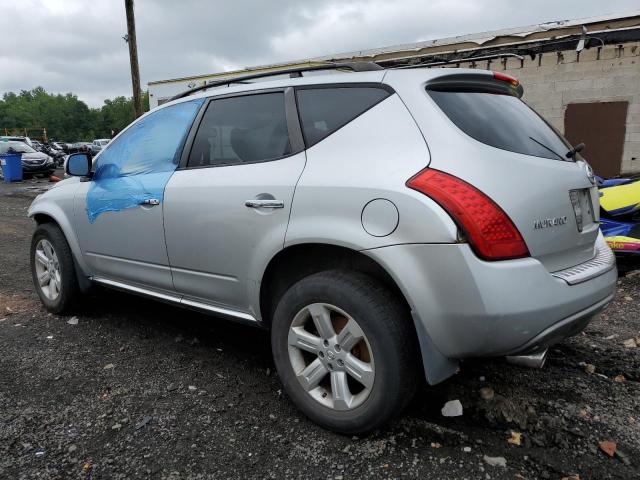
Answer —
(77, 46)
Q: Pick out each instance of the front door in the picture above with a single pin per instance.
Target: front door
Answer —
(118, 213)
(227, 211)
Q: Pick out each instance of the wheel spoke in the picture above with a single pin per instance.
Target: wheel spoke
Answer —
(350, 335)
(54, 287)
(300, 338)
(359, 370)
(41, 257)
(322, 320)
(46, 246)
(312, 374)
(340, 391)
(44, 278)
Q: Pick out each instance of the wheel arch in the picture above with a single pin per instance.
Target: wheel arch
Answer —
(301, 260)
(58, 218)
(298, 261)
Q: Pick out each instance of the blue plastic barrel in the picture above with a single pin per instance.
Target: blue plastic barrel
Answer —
(11, 167)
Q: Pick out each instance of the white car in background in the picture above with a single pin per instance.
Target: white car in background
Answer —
(98, 145)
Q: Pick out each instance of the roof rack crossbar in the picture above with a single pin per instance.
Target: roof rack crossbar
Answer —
(293, 72)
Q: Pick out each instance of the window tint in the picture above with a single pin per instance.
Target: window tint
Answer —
(240, 130)
(502, 121)
(325, 110)
(149, 145)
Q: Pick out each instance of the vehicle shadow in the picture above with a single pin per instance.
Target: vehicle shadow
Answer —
(147, 318)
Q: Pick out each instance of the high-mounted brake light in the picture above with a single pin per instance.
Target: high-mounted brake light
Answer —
(490, 232)
(503, 77)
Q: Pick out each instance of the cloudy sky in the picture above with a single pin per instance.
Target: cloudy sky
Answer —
(77, 46)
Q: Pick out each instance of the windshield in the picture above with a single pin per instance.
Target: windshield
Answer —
(502, 121)
(17, 147)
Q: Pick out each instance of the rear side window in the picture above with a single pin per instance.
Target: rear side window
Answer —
(502, 121)
(324, 110)
(239, 130)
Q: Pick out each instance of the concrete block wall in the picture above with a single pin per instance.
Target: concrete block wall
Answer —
(553, 80)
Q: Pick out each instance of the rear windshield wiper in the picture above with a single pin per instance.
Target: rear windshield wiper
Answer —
(573, 150)
(552, 151)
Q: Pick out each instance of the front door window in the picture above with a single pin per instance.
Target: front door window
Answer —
(137, 165)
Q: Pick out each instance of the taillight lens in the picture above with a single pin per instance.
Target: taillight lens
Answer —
(503, 77)
(490, 232)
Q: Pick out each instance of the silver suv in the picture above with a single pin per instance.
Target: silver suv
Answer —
(383, 224)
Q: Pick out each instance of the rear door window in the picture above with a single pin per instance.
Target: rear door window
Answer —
(245, 129)
(324, 110)
(502, 121)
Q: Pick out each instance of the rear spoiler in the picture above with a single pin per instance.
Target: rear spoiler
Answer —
(486, 81)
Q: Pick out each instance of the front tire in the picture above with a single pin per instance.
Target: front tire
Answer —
(52, 269)
(345, 351)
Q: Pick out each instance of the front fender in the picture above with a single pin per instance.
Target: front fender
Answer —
(58, 205)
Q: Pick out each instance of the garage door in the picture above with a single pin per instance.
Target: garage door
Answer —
(601, 127)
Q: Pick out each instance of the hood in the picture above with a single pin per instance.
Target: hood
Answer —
(35, 156)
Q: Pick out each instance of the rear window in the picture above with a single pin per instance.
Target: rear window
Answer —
(325, 110)
(502, 121)
(15, 147)
(243, 129)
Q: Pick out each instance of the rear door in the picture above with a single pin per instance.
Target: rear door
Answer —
(227, 208)
(486, 135)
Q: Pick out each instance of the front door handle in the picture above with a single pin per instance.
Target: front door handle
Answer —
(264, 203)
(150, 201)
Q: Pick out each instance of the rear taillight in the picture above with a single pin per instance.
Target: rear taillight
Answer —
(503, 77)
(489, 230)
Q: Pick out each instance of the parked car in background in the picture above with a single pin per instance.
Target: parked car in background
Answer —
(383, 224)
(17, 138)
(76, 147)
(33, 162)
(98, 145)
(56, 153)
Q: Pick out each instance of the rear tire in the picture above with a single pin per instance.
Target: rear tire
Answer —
(355, 389)
(53, 270)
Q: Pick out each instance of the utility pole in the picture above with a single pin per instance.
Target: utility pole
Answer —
(133, 56)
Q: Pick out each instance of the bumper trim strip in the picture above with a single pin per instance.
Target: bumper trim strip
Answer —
(603, 262)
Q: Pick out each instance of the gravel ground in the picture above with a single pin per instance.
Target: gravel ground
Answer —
(138, 389)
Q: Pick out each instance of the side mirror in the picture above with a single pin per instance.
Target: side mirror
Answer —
(79, 165)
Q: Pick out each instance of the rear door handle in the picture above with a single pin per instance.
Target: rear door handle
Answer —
(150, 201)
(264, 203)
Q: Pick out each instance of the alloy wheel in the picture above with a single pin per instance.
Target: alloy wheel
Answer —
(48, 269)
(331, 356)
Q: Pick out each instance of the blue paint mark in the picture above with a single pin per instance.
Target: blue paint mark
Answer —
(614, 228)
(138, 164)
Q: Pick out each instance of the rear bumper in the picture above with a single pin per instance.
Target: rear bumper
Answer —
(470, 308)
(557, 332)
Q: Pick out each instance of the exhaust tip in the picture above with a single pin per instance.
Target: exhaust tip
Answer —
(535, 360)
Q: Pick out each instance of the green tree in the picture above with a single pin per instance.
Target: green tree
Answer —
(65, 117)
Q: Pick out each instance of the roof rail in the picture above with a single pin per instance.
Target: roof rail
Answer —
(293, 72)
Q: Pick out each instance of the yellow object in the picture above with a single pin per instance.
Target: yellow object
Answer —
(621, 198)
(622, 244)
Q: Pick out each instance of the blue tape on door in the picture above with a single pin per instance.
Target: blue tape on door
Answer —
(137, 165)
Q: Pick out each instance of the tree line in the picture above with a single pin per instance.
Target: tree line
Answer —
(65, 117)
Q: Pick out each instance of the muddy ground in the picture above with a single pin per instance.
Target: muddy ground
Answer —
(138, 389)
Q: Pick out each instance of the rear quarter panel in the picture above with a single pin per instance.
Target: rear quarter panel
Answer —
(371, 157)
